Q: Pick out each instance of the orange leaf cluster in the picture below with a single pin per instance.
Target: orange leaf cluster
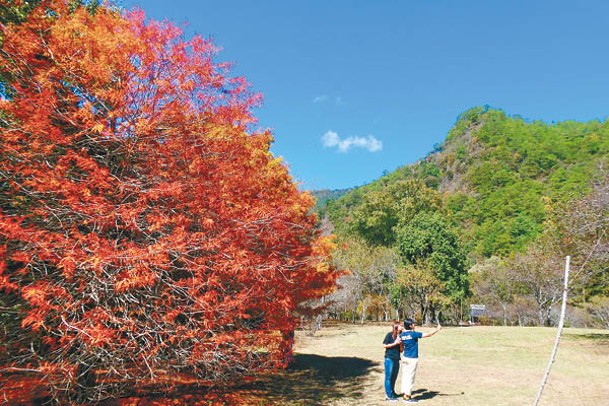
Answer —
(144, 227)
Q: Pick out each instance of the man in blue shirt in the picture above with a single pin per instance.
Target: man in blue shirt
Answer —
(410, 341)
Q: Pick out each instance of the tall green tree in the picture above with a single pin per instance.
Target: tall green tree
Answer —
(418, 290)
(428, 241)
(383, 210)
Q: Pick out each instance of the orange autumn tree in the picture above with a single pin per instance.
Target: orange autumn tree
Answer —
(145, 228)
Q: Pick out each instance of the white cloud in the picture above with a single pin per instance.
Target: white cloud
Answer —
(331, 139)
(320, 99)
(324, 98)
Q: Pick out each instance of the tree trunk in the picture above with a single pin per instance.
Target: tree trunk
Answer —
(504, 308)
(84, 390)
(364, 308)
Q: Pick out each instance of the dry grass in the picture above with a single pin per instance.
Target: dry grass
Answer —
(469, 366)
(342, 365)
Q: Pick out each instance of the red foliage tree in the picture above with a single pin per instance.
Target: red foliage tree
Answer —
(145, 229)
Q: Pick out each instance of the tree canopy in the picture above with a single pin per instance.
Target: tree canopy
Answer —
(145, 228)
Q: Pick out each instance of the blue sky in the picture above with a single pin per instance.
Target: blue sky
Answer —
(353, 88)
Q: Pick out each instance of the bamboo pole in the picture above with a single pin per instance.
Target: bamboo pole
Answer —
(561, 322)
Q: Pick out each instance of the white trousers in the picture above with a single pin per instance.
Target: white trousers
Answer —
(409, 369)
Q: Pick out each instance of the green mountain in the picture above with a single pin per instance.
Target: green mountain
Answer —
(323, 196)
(494, 179)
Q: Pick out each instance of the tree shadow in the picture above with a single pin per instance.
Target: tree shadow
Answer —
(596, 338)
(310, 380)
(316, 380)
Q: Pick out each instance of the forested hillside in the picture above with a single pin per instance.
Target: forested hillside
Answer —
(498, 188)
(323, 196)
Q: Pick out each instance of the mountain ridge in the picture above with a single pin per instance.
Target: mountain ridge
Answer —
(496, 175)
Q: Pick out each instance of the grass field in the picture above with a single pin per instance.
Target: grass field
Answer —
(470, 366)
(342, 365)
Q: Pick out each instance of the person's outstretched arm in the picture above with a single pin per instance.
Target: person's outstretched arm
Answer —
(425, 335)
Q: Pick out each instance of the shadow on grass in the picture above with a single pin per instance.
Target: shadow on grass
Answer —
(595, 338)
(424, 394)
(316, 380)
(311, 380)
